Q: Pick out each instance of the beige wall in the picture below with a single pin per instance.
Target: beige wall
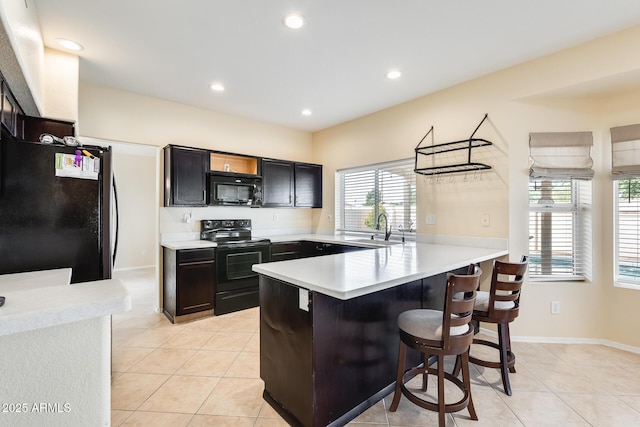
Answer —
(124, 116)
(61, 85)
(574, 90)
(135, 175)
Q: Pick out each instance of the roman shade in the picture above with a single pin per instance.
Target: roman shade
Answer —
(625, 151)
(561, 155)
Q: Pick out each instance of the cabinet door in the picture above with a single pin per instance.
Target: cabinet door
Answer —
(277, 183)
(308, 185)
(195, 286)
(186, 183)
(283, 251)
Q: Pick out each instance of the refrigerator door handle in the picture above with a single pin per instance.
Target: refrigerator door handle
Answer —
(117, 220)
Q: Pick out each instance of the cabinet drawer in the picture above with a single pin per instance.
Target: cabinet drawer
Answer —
(194, 255)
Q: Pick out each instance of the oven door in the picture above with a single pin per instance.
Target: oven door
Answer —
(234, 264)
(238, 285)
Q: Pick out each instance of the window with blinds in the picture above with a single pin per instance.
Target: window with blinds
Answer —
(627, 231)
(363, 193)
(559, 229)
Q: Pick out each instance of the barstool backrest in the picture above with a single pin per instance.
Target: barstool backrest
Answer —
(458, 309)
(506, 284)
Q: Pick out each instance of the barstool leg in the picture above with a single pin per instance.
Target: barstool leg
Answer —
(456, 367)
(441, 403)
(402, 353)
(504, 370)
(425, 375)
(508, 335)
(466, 379)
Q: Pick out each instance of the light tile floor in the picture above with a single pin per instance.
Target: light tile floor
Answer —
(205, 373)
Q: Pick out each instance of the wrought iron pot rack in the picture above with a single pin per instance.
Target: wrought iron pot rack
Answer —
(435, 149)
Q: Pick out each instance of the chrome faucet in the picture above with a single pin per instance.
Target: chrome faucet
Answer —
(387, 229)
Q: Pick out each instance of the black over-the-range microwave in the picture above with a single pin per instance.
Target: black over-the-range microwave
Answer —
(234, 189)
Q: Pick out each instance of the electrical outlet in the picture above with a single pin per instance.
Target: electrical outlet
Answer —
(555, 307)
(430, 219)
(485, 220)
(276, 217)
(186, 218)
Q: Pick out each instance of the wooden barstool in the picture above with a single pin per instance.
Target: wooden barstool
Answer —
(501, 305)
(440, 333)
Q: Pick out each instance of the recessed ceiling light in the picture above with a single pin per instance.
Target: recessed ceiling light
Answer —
(70, 44)
(306, 112)
(294, 21)
(393, 74)
(217, 87)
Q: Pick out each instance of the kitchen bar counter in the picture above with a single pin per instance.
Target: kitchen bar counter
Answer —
(328, 325)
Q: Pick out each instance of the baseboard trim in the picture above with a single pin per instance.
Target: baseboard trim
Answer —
(568, 340)
(142, 267)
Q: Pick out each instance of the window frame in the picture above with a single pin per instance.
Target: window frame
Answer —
(581, 258)
(377, 168)
(617, 280)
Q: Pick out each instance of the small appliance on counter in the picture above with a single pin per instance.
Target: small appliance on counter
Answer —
(236, 252)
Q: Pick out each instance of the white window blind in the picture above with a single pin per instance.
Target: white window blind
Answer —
(560, 229)
(363, 193)
(625, 151)
(561, 155)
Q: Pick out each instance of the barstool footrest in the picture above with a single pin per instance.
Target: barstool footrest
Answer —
(433, 406)
(511, 358)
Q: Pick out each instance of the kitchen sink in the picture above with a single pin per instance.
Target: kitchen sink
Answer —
(375, 242)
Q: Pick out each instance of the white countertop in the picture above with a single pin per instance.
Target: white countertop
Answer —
(40, 299)
(358, 273)
(323, 238)
(189, 244)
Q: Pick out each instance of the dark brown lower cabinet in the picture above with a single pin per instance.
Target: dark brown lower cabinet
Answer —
(189, 283)
(327, 365)
(283, 251)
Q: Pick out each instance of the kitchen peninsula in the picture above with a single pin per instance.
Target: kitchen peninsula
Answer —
(55, 347)
(328, 333)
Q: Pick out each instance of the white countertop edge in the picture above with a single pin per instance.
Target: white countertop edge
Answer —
(61, 304)
(189, 244)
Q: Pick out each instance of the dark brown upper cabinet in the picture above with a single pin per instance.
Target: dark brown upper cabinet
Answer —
(277, 183)
(185, 176)
(291, 184)
(307, 185)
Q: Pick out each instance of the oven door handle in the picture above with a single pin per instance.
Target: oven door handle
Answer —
(243, 246)
(196, 263)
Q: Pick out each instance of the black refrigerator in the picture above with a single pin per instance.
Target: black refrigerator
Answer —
(52, 217)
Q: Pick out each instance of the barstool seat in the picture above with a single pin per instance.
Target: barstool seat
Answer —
(439, 333)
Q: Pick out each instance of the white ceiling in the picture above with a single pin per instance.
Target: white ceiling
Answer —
(335, 65)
